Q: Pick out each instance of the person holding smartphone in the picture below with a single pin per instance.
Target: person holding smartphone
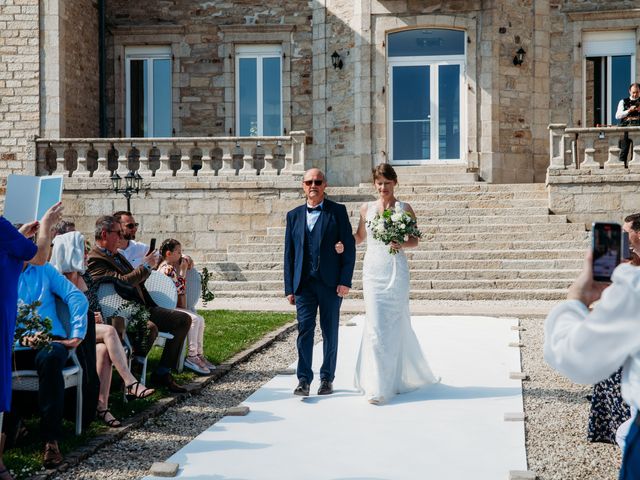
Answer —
(129, 248)
(588, 346)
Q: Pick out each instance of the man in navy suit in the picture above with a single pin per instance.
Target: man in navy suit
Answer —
(316, 277)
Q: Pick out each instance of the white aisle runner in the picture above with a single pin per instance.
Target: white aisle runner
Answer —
(454, 430)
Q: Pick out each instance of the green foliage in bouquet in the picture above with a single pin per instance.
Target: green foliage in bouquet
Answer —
(207, 295)
(137, 325)
(30, 325)
(394, 226)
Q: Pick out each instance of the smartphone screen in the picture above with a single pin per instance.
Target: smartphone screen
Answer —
(152, 246)
(606, 246)
(626, 250)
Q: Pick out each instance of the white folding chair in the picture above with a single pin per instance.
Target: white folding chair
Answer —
(27, 380)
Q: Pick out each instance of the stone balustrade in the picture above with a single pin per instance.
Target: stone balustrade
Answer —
(591, 148)
(179, 156)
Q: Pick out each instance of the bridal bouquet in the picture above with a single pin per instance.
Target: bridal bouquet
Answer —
(394, 226)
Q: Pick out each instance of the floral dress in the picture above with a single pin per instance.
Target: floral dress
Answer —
(171, 272)
(608, 410)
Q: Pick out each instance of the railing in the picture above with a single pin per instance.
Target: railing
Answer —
(183, 156)
(591, 148)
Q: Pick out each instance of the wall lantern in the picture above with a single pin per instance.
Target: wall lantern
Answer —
(519, 57)
(336, 60)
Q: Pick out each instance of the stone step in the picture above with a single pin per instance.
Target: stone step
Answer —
(276, 274)
(452, 294)
(367, 188)
(429, 246)
(425, 206)
(369, 194)
(525, 265)
(481, 284)
(540, 254)
(422, 213)
(551, 229)
(430, 235)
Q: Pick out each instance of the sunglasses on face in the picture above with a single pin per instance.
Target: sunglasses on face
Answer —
(317, 183)
(131, 225)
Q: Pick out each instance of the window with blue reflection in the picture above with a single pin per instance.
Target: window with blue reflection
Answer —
(426, 41)
(162, 98)
(620, 80)
(411, 113)
(248, 104)
(271, 96)
(449, 112)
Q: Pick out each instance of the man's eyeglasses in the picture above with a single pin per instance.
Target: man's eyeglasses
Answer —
(119, 232)
(317, 183)
(131, 225)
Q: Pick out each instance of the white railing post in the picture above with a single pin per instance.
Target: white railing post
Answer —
(557, 146)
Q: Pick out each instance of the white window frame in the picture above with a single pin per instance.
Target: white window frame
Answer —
(609, 43)
(144, 53)
(432, 61)
(258, 52)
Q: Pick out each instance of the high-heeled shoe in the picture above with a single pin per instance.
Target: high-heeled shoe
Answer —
(133, 391)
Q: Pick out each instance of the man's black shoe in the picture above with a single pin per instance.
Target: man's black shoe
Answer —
(167, 381)
(302, 389)
(326, 388)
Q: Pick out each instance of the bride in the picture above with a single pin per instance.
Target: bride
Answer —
(390, 360)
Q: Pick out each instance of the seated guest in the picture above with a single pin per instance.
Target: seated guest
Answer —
(175, 266)
(133, 251)
(42, 284)
(588, 346)
(68, 257)
(64, 226)
(105, 261)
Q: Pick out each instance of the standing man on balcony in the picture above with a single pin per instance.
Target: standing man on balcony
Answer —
(629, 115)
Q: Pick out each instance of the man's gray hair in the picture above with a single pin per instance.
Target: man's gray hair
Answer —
(105, 223)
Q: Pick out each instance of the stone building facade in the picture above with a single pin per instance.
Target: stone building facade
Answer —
(496, 116)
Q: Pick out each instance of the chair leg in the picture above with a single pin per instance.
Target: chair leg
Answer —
(79, 404)
(182, 355)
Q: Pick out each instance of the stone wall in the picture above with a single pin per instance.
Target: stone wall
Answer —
(19, 84)
(586, 197)
(205, 215)
(79, 58)
(202, 36)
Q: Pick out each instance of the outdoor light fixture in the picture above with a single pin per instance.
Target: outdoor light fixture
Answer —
(132, 184)
(519, 57)
(336, 60)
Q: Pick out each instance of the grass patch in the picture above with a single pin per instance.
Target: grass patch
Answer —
(226, 333)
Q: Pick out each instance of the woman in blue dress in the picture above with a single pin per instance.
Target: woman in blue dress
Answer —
(15, 249)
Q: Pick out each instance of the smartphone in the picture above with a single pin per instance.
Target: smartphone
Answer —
(607, 249)
(626, 249)
(152, 246)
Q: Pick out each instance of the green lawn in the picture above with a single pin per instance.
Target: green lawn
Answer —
(226, 333)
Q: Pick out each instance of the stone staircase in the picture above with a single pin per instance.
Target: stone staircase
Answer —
(481, 242)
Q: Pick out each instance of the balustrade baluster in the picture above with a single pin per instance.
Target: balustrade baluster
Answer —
(102, 149)
(165, 167)
(83, 168)
(613, 160)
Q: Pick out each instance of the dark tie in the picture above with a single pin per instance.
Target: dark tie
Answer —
(314, 209)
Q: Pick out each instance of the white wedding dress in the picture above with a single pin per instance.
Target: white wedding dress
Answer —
(390, 360)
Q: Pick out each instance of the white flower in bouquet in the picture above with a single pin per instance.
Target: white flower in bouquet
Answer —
(394, 226)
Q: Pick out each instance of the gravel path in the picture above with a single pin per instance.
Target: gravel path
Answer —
(556, 426)
(556, 410)
(159, 438)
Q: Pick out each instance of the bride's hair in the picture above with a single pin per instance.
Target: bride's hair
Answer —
(386, 171)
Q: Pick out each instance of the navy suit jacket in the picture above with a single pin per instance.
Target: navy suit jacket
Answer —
(334, 269)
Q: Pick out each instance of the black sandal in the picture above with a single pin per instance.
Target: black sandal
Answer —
(130, 395)
(113, 423)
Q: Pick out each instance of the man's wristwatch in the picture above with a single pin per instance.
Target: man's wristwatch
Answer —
(147, 267)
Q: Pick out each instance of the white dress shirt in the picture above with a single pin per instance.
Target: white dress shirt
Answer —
(134, 252)
(621, 113)
(587, 347)
(312, 217)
